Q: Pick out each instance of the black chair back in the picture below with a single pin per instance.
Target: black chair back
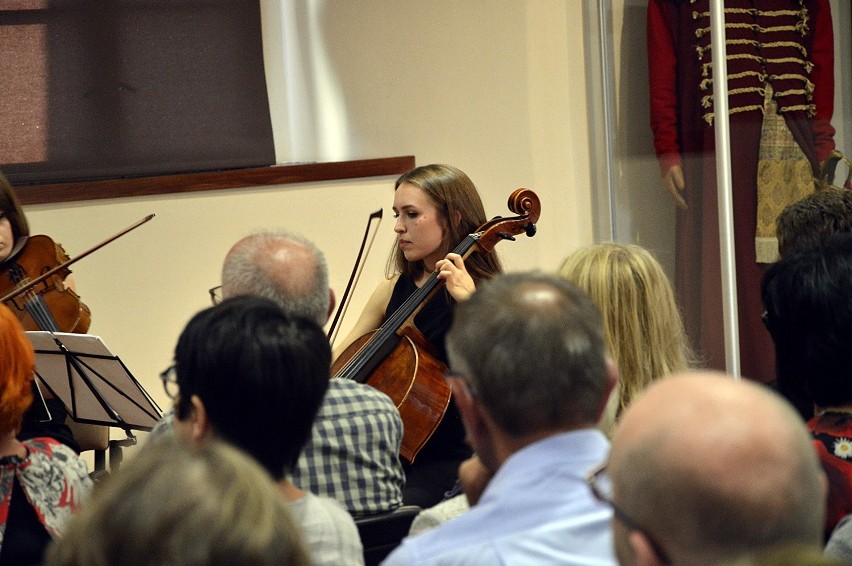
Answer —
(382, 533)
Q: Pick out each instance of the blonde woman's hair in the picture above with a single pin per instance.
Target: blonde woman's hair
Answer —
(644, 329)
(173, 504)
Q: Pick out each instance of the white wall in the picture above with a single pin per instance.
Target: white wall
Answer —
(494, 88)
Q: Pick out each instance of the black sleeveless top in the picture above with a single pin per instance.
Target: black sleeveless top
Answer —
(434, 321)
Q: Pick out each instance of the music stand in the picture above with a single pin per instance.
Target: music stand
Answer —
(93, 384)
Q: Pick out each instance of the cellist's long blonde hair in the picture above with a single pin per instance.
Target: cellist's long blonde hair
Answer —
(644, 329)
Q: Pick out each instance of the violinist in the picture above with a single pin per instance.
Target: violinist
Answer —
(436, 207)
(14, 235)
(14, 228)
(37, 254)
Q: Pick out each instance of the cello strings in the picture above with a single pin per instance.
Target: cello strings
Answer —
(355, 365)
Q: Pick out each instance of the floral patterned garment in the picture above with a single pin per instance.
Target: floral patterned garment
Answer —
(53, 477)
(832, 434)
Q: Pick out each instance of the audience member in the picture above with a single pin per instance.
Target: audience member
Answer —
(253, 376)
(839, 545)
(451, 507)
(353, 452)
(812, 220)
(809, 315)
(530, 376)
(283, 267)
(802, 225)
(793, 555)
(644, 330)
(41, 480)
(170, 505)
(707, 469)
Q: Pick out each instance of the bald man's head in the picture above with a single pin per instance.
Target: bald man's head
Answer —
(713, 468)
(283, 267)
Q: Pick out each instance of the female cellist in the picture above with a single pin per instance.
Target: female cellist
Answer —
(14, 234)
(436, 206)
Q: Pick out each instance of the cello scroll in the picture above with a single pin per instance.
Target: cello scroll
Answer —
(523, 202)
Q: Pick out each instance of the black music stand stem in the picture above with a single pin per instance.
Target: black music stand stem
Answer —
(93, 383)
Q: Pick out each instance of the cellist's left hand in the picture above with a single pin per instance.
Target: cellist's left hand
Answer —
(459, 283)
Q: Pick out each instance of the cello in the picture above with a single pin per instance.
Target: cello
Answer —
(398, 360)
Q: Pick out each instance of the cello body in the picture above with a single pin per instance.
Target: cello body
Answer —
(413, 377)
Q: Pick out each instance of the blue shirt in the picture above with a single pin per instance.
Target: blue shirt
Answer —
(537, 509)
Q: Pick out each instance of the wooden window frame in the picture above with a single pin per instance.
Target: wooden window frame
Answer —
(212, 180)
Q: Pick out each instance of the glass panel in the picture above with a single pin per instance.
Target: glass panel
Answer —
(765, 48)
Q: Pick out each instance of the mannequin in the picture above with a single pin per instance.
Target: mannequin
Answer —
(781, 97)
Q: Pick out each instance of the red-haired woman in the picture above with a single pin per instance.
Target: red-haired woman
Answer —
(41, 480)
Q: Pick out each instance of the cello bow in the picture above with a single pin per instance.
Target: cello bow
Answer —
(356, 274)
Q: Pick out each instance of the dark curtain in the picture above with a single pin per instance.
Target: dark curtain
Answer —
(108, 89)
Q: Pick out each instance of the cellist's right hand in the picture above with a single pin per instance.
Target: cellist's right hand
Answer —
(459, 283)
(674, 183)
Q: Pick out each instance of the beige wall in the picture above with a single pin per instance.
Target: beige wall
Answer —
(494, 88)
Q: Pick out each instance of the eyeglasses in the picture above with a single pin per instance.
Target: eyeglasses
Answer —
(601, 486)
(215, 294)
(170, 384)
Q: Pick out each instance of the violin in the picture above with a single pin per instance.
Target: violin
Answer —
(398, 360)
(49, 305)
(32, 284)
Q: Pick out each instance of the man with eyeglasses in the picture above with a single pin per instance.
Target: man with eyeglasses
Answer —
(530, 376)
(251, 375)
(706, 470)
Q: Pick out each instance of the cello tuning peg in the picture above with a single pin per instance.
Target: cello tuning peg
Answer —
(506, 236)
(530, 229)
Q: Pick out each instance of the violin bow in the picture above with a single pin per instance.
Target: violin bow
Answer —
(24, 288)
(356, 274)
